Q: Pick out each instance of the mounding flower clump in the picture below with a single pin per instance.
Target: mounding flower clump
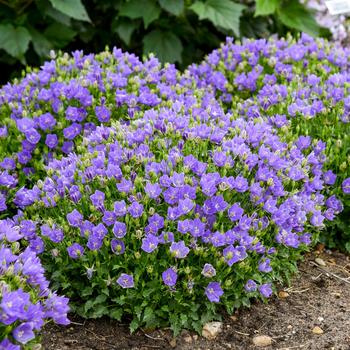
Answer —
(301, 85)
(46, 113)
(26, 302)
(176, 214)
(165, 197)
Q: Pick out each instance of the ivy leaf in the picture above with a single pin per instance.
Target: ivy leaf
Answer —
(125, 29)
(59, 34)
(175, 7)
(166, 45)
(14, 40)
(150, 10)
(222, 13)
(295, 15)
(72, 8)
(41, 44)
(265, 7)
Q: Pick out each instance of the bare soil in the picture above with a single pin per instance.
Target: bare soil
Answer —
(319, 296)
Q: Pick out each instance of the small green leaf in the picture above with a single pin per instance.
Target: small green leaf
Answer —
(116, 314)
(125, 29)
(166, 45)
(222, 13)
(100, 299)
(295, 15)
(134, 324)
(14, 40)
(175, 7)
(265, 7)
(72, 8)
(149, 12)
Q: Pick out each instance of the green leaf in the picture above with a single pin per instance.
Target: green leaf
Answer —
(125, 29)
(222, 13)
(59, 34)
(116, 314)
(14, 40)
(166, 45)
(134, 324)
(295, 15)
(265, 7)
(100, 299)
(150, 10)
(72, 8)
(41, 45)
(175, 7)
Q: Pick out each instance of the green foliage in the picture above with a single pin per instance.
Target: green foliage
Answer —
(222, 13)
(29, 29)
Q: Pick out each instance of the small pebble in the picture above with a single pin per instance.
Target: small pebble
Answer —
(188, 339)
(211, 330)
(262, 340)
(283, 294)
(289, 326)
(317, 330)
(233, 318)
(320, 319)
(320, 262)
(172, 343)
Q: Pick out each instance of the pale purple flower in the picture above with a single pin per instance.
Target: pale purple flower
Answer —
(208, 270)
(214, 292)
(179, 249)
(126, 281)
(169, 277)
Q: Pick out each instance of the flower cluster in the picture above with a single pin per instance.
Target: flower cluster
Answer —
(183, 202)
(47, 113)
(26, 301)
(301, 86)
(164, 195)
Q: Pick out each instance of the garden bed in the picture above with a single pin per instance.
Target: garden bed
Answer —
(317, 297)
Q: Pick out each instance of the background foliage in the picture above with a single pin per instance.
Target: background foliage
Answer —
(180, 31)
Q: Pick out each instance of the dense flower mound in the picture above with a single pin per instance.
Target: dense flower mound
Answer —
(177, 213)
(26, 301)
(46, 113)
(300, 85)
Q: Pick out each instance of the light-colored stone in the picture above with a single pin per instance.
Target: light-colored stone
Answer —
(234, 318)
(262, 340)
(289, 326)
(195, 337)
(317, 330)
(320, 262)
(283, 294)
(211, 330)
(172, 343)
(188, 339)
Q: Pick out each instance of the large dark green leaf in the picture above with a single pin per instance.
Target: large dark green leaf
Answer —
(295, 15)
(41, 44)
(14, 40)
(148, 10)
(72, 8)
(265, 7)
(125, 28)
(59, 34)
(222, 13)
(166, 45)
(175, 7)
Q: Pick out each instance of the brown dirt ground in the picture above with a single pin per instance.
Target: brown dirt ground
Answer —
(317, 297)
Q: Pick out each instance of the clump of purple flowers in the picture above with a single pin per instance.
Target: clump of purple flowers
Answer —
(26, 302)
(300, 87)
(159, 194)
(185, 200)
